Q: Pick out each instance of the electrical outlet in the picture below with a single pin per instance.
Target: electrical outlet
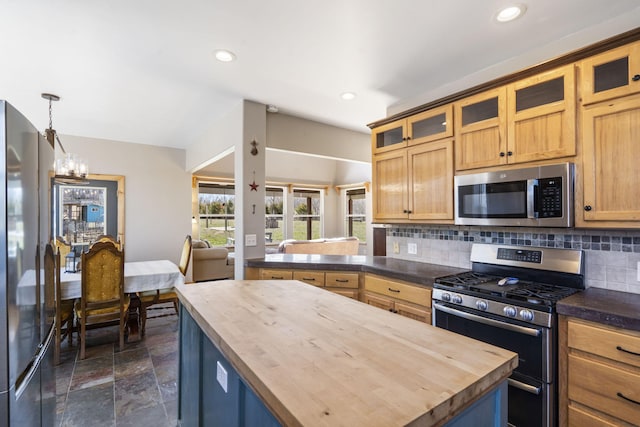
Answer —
(250, 240)
(221, 376)
(396, 248)
(412, 248)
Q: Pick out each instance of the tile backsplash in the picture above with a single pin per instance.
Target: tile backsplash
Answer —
(612, 257)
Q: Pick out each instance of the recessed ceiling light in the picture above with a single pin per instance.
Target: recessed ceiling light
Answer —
(272, 108)
(510, 13)
(348, 96)
(224, 55)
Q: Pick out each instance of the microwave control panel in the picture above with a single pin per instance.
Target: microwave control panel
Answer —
(550, 197)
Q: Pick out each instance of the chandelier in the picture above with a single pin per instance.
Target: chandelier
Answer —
(69, 169)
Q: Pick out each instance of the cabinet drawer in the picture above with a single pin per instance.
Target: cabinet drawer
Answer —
(612, 344)
(342, 280)
(601, 386)
(580, 418)
(270, 274)
(349, 293)
(311, 277)
(392, 288)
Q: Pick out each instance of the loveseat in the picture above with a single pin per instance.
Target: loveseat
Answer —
(211, 263)
(336, 246)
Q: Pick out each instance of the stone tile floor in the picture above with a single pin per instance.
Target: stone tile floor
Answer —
(135, 386)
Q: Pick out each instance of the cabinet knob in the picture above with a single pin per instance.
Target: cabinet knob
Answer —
(636, 77)
(502, 154)
(405, 211)
(587, 208)
(509, 153)
(408, 138)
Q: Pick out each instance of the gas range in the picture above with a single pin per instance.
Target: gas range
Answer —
(508, 299)
(521, 283)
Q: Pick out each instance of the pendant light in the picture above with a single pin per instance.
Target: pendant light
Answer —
(69, 169)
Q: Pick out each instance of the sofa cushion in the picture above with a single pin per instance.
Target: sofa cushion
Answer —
(210, 253)
(199, 244)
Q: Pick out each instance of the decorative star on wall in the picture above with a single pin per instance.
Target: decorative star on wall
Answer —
(253, 185)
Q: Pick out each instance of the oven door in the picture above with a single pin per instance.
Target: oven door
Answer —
(531, 394)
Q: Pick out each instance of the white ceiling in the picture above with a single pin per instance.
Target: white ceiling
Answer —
(143, 71)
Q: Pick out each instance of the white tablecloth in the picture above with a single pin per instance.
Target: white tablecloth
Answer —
(138, 276)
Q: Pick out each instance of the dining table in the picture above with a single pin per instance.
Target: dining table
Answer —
(139, 276)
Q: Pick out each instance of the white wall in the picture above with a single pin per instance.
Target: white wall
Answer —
(157, 193)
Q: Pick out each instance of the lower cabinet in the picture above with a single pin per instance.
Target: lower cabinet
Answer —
(406, 299)
(210, 390)
(602, 369)
(343, 283)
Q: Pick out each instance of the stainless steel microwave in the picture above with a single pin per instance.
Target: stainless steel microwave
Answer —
(540, 196)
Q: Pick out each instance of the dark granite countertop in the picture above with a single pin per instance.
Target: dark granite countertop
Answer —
(410, 271)
(613, 308)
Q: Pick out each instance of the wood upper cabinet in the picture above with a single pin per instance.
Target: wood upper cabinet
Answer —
(415, 183)
(610, 193)
(424, 127)
(541, 116)
(611, 74)
(481, 129)
(529, 120)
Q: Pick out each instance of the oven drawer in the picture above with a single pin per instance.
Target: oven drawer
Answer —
(392, 288)
(605, 388)
(612, 344)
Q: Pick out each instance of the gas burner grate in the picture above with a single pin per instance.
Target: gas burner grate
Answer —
(464, 280)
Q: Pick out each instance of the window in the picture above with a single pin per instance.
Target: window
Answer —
(274, 229)
(307, 218)
(82, 214)
(356, 211)
(216, 213)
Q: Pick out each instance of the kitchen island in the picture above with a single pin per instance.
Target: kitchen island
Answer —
(283, 352)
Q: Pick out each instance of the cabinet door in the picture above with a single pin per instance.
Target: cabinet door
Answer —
(430, 125)
(349, 293)
(431, 181)
(610, 75)
(541, 116)
(390, 185)
(480, 130)
(389, 137)
(611, 174)
(412, 312)
(378, 301)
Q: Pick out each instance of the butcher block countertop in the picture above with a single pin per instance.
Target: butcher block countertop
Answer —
(317, 358)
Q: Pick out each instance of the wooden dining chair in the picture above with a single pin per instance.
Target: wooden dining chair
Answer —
(63, 309)
(103, 300)
(109, 238)
(63, 247)
(149, 298)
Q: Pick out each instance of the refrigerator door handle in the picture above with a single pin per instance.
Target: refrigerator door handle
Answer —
(23, 382)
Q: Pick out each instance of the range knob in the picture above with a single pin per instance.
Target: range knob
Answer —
(526, 315)
(510, 311)
(482, 305)
(446, 296)
(457, 299)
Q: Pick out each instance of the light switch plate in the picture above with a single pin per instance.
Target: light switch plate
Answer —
(396, 248)
(412, 248)
(250, 240)
(638, 271)
(221, 376)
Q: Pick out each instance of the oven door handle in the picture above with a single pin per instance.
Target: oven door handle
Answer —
(487, 321)
(524, 387)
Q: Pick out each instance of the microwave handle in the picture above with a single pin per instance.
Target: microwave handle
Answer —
(532, 198)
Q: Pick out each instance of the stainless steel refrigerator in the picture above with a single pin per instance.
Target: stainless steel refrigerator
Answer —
(27, 378)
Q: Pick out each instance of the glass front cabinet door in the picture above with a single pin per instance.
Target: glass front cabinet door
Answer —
(612, 74)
